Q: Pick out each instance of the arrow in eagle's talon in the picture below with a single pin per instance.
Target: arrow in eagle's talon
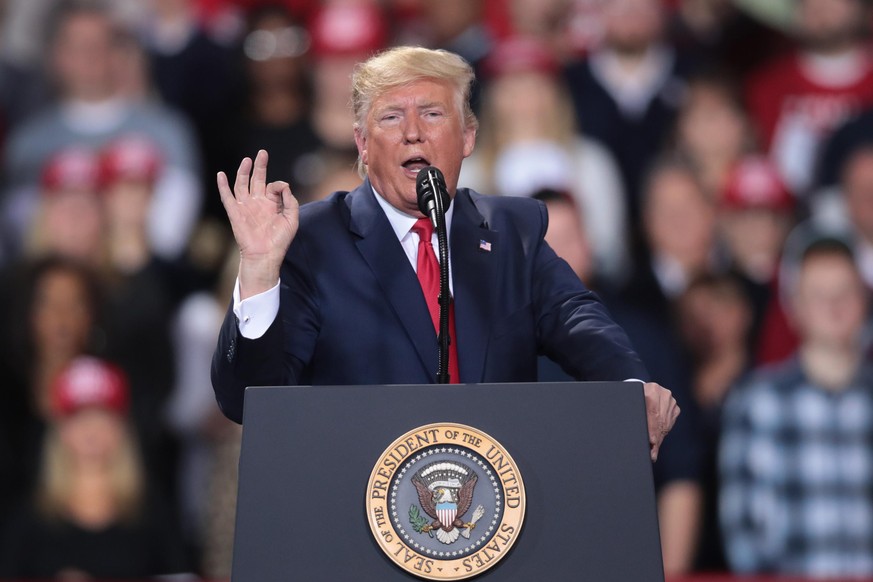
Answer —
(477, 515)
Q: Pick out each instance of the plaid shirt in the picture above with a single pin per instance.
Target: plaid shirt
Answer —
(796, 468)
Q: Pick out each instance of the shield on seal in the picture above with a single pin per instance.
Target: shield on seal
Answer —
(446, 513)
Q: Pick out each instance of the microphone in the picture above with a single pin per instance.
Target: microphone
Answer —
(429, 184)
(433, 200)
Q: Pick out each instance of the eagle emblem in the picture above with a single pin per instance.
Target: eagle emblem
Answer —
(445, 492)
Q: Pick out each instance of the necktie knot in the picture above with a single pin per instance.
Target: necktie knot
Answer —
(423, 228)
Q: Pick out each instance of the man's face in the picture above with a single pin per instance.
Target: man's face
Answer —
(61, 318)
(829, 24)
(73, 223)
(408, 128)
(632, 26)
(83, 55)
(566, 236)
(830, 301)
(679, 221)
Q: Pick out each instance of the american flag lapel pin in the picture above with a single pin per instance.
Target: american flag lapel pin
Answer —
(484, 246)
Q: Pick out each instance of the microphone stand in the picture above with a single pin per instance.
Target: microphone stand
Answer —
(445, 295)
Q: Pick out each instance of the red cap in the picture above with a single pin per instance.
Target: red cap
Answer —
(131, 157)
(520, 55)
(75, 168)
(348, 30)
(754, 182)
(87, 382)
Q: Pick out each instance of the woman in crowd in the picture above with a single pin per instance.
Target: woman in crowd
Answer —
(52, 319)
(528, 142)
(92, 515)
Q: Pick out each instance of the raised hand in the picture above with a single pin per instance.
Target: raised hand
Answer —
(264, 219)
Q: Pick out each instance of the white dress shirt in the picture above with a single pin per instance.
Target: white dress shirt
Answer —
(257, 313)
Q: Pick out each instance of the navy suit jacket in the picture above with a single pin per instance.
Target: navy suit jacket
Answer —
(352, 310)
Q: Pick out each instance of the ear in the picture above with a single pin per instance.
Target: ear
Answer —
(469, 140)
(361, 143)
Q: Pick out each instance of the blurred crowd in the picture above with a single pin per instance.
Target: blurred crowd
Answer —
(708, 170)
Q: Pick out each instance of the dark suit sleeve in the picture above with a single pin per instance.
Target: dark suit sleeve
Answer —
(277, 358)
(574, 328)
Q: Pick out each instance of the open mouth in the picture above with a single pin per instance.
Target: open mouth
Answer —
(415, 164)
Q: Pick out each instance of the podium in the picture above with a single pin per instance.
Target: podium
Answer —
(581, 449)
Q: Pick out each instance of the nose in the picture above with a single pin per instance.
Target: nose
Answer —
(412, 130)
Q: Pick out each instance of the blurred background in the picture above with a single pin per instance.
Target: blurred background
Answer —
(708, 170)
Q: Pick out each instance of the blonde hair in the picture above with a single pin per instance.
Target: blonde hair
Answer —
(399, 66)
(56, 476)
(493, 138)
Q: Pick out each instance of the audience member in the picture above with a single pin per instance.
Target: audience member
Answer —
(715, 317)
(137, 306)
(712, 130)
(632, 85)
(90, 111)
(93, 515)
(457, 26)
(827, 204)
(277, 108)
(677, 470)
(795, 461)
(204, 434)
(526, 143)
(756, 212)
(714, 320)
(343, 34)
(192, 73)
(567, 234)
(778, 338)
(679, 226)
(51, 309)
(858, 192)
(798, 100)
(702, 27)
(69, 219)
(725, 34)
(546, 21)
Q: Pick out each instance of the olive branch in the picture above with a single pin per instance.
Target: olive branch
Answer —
(417, 520)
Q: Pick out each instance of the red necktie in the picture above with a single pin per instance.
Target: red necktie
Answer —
(429, 277)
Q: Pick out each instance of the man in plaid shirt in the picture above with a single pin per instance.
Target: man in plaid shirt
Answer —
(796, 457)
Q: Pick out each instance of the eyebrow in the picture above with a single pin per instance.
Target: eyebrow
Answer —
(393, 107)
(430, 104)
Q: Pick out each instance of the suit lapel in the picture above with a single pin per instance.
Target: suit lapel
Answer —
(382, 251)
(475, 270)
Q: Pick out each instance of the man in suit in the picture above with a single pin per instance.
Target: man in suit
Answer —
(343, 303)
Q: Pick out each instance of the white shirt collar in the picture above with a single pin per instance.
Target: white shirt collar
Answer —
(401, 222)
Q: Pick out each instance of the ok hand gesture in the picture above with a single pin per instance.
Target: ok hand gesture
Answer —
(264, 219)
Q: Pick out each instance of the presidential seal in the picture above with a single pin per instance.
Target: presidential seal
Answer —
(445, 501)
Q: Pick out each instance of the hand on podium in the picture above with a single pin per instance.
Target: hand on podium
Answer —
(661, 414)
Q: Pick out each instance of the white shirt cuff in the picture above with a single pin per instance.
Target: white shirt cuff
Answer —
(257, 313)
(633, 380)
